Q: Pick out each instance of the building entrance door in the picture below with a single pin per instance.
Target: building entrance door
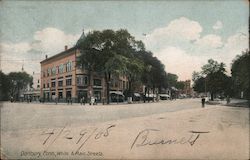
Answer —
(68, 94)
(82, 94)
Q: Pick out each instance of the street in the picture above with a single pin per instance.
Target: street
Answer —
(36, 115)
(178, 129)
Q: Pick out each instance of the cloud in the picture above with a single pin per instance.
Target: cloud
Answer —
(182, 49)
(52, 40)
(48, 41)
(179, 30)
(179, 62)
(218, 25)
(209, 41)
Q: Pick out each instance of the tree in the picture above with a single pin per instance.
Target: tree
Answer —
(199, 85)
(180, 85)
(172, 79)
(241, 75)
(4, 87)
(153, 75)
(109, 52)
(19, 81)
(90, 55)
(212, 79)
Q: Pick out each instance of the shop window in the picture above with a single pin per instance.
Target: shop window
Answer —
(60, 95)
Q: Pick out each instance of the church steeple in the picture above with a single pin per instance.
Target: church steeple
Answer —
(81, 39)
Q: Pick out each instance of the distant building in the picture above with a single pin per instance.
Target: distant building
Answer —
(63, 79)
(32, 93)
(187, 88)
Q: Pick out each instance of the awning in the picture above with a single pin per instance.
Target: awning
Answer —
(151, 95)
(164, 95)
(137, 95)
(116, 92)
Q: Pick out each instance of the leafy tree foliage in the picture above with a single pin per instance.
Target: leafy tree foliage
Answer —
(13, 83)
(241, 74)
(212, 79)
(180, 85)
(110, 52)
(4, 86)
(115, 53)
(172, 79)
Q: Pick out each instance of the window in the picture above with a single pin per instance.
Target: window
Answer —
(53, 70)
(44, 73)
(43, 85)
(79, 80)
(53, 84)
(38, 86)
(60, 83)
(86, 80)
(123, 85)
(68, 66)
(68, 82)
(38, 81)
(47, 85)
(48, 72)
(82, 80)
(60, 68)
(60, 95)
(97, 82)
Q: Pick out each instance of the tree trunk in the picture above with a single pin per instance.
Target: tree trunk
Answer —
(148, 94)
(129, 88)
(107, 79)
(212, 96)
(153, 93)
(90, 84)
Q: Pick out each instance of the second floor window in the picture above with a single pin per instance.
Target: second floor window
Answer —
(53, 84)
(68, 82)
(82, 80)
(60, 83)
(97, 82)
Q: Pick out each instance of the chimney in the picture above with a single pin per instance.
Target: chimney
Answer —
(46, 56)
(66, 48)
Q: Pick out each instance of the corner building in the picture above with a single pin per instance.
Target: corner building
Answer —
(62, 78)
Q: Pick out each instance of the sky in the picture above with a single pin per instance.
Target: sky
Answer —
(183, 34)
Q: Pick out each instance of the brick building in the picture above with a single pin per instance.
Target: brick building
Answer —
(62, 79)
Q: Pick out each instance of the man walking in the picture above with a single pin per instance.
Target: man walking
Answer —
(203, 102)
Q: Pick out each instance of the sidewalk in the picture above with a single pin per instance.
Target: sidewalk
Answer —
(233, 102)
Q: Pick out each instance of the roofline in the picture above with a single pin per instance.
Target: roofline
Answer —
(59, 54)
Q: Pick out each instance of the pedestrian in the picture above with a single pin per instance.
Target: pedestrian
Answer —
(203, 102)
(56, 100)
(71, 101)
(82, 101)
(11, 99)
(68, 101)
(228, 99)
(95, 101)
